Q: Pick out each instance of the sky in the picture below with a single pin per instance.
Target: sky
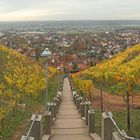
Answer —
(21, 10)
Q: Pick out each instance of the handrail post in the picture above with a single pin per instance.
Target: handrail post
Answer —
(59, 100)
(74, 93)
(82, 109)
(107, 127)
(91, 121)
(87, 104)
(55, 110)
(75, 98)
(36, 130)
(52, 112)
(56, 100)
(77, 102)
(47, 125)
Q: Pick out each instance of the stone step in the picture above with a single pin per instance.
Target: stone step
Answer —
(70, 137)
(68, 124)
(71, 131)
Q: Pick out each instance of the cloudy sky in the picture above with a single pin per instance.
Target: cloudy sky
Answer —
(17, 10)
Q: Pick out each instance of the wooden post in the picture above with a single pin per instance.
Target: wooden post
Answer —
(86, 111)
(107, 127)
(82, 109)
(128, 111)
(75, 98)
(74, 93)
(91, 121)
(55, 110)
(52, 112)
(47, 125)
(36, 130)
(56, 100)
(77, 102)
(101, 91)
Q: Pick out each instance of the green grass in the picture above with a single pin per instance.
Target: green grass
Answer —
(11, 123)
(112, 91)
(54, 85)
(135, 121)
(120, 118)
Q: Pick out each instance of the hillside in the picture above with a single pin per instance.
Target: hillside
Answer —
(116, 87)
(117, 73)
(19, 75)
(22, 81)
(126, 63)
(114, 76)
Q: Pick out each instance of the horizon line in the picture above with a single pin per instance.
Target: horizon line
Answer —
(71, 20)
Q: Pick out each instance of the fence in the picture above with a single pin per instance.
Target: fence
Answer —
(88, 114)
(40, 127)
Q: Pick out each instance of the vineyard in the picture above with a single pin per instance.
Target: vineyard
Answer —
(84, 87)
(119, 76)
(20, 79)
(23, 84)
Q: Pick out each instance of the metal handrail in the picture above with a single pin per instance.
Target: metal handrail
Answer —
(90, 107)
(118, 129)
(115, 124)
(33, 121)
(84, 100)
(31, 126)
(48, 107)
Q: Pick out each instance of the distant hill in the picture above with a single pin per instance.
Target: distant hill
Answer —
(22, 91)
(57, 25)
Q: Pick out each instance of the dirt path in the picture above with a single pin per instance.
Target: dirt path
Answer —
(113, 102)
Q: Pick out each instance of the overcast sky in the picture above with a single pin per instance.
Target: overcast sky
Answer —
(69, 9)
